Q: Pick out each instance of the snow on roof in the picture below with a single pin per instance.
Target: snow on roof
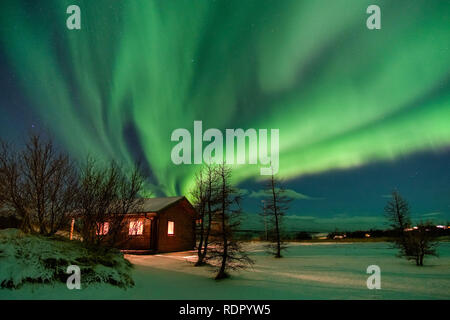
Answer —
(155, 204)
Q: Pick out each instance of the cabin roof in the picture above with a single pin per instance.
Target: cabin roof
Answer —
(145, 205)
(155, 204)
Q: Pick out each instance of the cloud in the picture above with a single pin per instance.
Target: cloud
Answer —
(431, 214)
(320, 223)
(341, 221)
(288, 192)
(301, 217)
(244, 192)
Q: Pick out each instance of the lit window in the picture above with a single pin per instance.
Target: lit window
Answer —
(171, 228)
(102, 229)
(136, 227)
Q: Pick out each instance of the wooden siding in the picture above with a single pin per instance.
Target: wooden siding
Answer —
(137, 242)
(155, 236)
(182, 214)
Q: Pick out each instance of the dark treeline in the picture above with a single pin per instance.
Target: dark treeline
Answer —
(292, 235)
(378, 233)
(44, 189)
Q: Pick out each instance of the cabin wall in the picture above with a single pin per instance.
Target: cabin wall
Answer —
(182, 215)
(136, 242)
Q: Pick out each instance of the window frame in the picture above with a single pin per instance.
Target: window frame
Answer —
(139, 226)
(168, 228)
(100, 231)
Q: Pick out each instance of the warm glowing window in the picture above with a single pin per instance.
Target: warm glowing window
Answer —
(171, 228)
(136, 227)
(102, 228)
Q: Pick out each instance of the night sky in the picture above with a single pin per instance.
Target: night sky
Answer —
(360, 112)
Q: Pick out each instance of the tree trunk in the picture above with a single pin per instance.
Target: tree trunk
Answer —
(208, 228)
(200, 245)
(277, 229)
(205, 242)
(222, 274)
(278, 254)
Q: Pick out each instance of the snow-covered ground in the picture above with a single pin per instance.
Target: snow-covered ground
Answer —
(308, 271)
(26, 258)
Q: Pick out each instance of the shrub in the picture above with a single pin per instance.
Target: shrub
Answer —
(37, 259)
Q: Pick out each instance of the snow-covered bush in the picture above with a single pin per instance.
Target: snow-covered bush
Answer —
(28, 258)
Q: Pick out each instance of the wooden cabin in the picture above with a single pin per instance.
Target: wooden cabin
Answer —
(159, 225)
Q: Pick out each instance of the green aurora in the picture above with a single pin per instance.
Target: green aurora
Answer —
(341, 95)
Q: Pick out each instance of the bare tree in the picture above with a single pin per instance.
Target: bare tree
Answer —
(11, 188)
(420, 242)
(397, 213)
(3, 179)
(39, 183)
(205, 202)
(225, 246)
(274, 208)
(50, 184)
(414, 243)
(62, 188)
(106, 194)
(127, 200)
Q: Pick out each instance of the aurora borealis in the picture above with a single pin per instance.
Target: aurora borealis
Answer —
(344, 98)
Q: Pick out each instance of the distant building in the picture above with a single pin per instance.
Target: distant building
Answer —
(320, 236)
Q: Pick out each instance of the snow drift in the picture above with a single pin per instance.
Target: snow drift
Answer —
(28, 258)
